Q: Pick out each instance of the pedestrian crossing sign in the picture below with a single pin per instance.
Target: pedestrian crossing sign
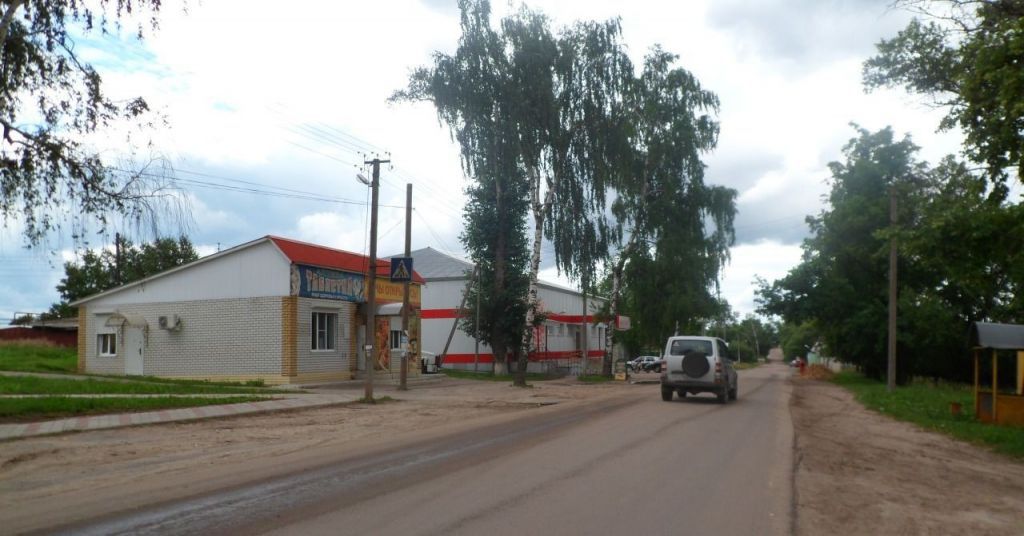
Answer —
(401, 269)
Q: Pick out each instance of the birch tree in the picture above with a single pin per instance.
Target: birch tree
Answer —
(51, 103)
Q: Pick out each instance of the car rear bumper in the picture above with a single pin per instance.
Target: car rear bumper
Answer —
(691, 385)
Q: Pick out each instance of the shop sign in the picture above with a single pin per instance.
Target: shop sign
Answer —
(310, 282)
(394, 292)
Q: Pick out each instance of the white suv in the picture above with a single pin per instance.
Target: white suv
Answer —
(698, 365)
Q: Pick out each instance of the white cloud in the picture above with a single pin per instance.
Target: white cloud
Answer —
(769, 260)
(243, 84)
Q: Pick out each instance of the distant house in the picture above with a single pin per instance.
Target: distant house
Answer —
(558, 341)
(61, 331)
(273, 309)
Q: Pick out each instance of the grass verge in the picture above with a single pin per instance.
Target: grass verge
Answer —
(928, 406)
(34, 385)
(487, 376)
(744, 365)
(595, 378)
(32, 356)
(57, 407)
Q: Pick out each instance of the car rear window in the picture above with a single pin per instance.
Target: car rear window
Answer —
(681, 347)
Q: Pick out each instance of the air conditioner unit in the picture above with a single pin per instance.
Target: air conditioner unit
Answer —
(172, 322)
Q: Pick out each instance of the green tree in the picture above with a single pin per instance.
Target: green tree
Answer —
(966, 56)
(841, 283)
(97, 271)
(475, 94)
(664, 274)
(960, 259)
(51, 103)
(797, 338)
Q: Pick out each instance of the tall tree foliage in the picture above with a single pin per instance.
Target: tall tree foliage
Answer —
(97, 271)
(475, 94)
(677, 228)
(553, 104)
(842, 281)
(51, 102)
(967, 56)
(960, 257)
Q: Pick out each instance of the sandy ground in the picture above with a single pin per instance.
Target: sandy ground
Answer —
(132, 466)
(858, 472)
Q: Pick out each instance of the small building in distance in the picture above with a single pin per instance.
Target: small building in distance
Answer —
(274, 310)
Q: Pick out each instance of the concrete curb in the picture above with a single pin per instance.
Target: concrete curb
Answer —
(121, 420)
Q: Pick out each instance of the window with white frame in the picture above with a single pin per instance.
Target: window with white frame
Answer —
(106, 344)
(324, 331)
(396, 339)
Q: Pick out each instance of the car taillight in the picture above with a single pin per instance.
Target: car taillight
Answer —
(718, 370)
(664, 365)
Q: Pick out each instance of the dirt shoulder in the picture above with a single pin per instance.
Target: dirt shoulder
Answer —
(87, 472)
(858, 472)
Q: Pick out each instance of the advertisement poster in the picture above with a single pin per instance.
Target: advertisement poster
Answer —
(310, 282)
(383, 343)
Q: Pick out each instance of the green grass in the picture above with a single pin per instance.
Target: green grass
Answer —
(595, 378)
(34, 357)
(375, 400)
(34, 385)
(927, 405)
(57, 407)
(744, 365)
(487, 376)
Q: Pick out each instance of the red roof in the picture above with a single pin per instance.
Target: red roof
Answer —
(325, 257)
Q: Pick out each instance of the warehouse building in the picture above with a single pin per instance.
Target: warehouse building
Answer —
(274, 310)
(558, 342)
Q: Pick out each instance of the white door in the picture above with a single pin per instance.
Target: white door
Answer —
(133, 351)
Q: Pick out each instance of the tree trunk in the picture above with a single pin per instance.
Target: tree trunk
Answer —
(539, 210)
(499, 347)
(614, 303)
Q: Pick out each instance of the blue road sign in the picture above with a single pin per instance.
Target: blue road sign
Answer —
(401, 269)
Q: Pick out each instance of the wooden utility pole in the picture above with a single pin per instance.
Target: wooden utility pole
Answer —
(405, 291)
(369, 357)
(890, 383)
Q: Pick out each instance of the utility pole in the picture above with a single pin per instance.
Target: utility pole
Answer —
(369, 356)
(405, 291)
(583, 334)
(476, 332)
(890, 383)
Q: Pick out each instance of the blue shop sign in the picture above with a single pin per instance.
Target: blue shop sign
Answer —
(329, 284)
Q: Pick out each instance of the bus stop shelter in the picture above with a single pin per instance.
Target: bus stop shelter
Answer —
(997, 342)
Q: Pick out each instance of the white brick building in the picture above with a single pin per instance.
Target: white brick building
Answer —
(273, 309)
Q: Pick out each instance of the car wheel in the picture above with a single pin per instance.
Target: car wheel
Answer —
(723, 395)
(666, 394)
(734, 392)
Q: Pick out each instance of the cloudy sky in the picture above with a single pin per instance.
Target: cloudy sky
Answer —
(273, 107)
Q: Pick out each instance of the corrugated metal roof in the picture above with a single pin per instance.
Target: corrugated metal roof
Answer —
(325, 257)
(997, 336)
(434, 265)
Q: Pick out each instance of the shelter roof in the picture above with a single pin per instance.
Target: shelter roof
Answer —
(997, 336)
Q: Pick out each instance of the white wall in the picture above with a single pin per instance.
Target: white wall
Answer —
(337, 360)
(256, 271)
(448, 295)
(235, 337)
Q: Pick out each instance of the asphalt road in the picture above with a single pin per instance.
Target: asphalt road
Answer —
(625, 465)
